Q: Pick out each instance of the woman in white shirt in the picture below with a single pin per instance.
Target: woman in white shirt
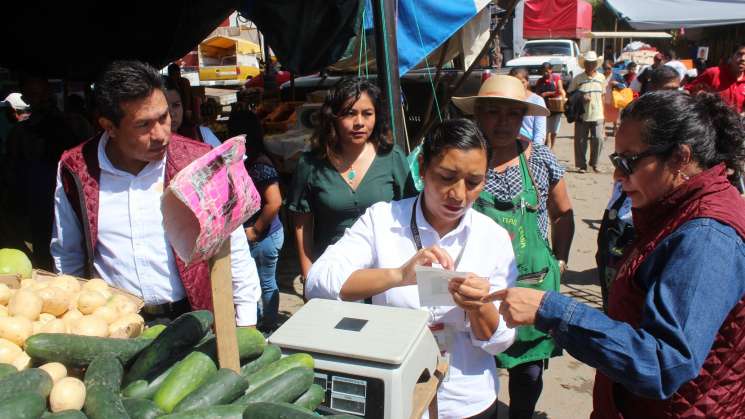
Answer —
(377, 257)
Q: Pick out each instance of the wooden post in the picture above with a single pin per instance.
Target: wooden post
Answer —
(386, 57)
(221, 279)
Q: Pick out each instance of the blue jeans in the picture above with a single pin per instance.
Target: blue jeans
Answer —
(266, 254)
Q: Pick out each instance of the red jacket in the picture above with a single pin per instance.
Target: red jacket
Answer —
(718, 390)
(80, 174)
(721, 80)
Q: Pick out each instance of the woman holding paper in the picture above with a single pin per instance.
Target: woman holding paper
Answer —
(379, 255)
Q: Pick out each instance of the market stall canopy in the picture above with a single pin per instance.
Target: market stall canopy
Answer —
(220, 45)
(75, 40)
(305, 35)
(422, 28)
(557, 19)
(676, 14)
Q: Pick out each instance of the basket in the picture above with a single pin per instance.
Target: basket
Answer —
(556, 104)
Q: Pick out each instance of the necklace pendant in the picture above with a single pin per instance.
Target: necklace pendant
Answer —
(351, 175)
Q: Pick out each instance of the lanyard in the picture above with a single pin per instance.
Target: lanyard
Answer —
(416, 237)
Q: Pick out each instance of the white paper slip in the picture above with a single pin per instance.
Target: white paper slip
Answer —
(433, 286)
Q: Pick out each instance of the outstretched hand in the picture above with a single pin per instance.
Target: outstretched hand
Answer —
(518, 306)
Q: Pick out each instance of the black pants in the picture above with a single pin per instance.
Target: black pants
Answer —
(526, 384)
(489, 413)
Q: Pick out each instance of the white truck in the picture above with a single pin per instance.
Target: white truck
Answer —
(563, 54)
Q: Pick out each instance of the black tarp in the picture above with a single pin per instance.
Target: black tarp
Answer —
(74, 40)
(305, 35)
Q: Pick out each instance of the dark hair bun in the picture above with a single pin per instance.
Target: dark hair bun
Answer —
(460, 134)
(730, 136)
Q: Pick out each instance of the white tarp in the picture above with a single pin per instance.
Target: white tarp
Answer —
(675, 14)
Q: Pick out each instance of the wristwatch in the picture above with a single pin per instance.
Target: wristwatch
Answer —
(562, 266)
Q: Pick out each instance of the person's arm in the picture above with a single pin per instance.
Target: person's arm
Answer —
(246, 285)
(560, 85)
(354, 251)
(267, 183)
(539, 129)
(365, 283)
(67, 245)
(488, 330)
(298, 203)
(303, 224)
(272, 199)
(561, 216)
(691, 288)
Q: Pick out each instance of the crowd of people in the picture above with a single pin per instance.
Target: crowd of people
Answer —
(493, 203)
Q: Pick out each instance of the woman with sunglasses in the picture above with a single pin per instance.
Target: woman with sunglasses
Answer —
(673, 342)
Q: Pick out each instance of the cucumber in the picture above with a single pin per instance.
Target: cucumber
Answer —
(222, 387)
(181, 334)
(65, 414)
(312, 398)
(141, 408)
(251, 343)
(230, 411)
(7, 369)
(260, 377)
(105, 370)
(271, 353)
(152, 332)
(23, 405)
(103, 403)
(32, 380)
(79, 351)
(277, 410)
(283, 388)
(187, 376)
(249, 340)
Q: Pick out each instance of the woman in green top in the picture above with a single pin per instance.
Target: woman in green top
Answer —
(352, 165)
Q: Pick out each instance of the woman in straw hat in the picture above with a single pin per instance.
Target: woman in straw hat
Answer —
(524, 192)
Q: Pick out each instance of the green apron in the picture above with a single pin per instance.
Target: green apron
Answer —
(536, 264)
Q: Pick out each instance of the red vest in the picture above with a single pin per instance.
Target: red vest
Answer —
(719, 390)
(80, 174)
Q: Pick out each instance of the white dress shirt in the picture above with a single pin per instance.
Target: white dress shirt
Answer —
(382, 238)
(132, 252)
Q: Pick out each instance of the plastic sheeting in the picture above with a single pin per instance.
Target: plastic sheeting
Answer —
(676, 14)
(557, 19)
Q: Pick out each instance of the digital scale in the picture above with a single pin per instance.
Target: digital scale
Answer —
(367, 357)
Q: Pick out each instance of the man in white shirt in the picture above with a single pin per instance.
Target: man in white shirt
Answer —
(108, 221)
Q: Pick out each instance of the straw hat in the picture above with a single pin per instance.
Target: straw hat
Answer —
(590, 56)
(501, 88)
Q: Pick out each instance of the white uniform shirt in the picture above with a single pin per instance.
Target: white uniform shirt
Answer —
(381, 238)
(132, 252)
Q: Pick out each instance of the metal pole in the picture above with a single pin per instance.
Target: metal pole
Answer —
(386, 55)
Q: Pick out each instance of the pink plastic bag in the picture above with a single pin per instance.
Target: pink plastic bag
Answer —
(208, 200)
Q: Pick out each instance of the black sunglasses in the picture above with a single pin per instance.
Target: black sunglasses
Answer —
(626, 163)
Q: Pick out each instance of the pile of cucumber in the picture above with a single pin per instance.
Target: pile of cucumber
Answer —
(168, 373)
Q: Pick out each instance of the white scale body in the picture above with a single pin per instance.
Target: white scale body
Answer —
(367, 357)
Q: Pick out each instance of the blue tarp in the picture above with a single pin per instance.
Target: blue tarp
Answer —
(424, 25)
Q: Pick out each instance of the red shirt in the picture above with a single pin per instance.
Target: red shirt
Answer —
(721, 80)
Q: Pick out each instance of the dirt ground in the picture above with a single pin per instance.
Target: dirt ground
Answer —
(567, 388)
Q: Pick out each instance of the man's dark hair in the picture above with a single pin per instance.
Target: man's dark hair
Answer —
(124, 81)
(663, 75)
(547, 66)
(460, 134)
